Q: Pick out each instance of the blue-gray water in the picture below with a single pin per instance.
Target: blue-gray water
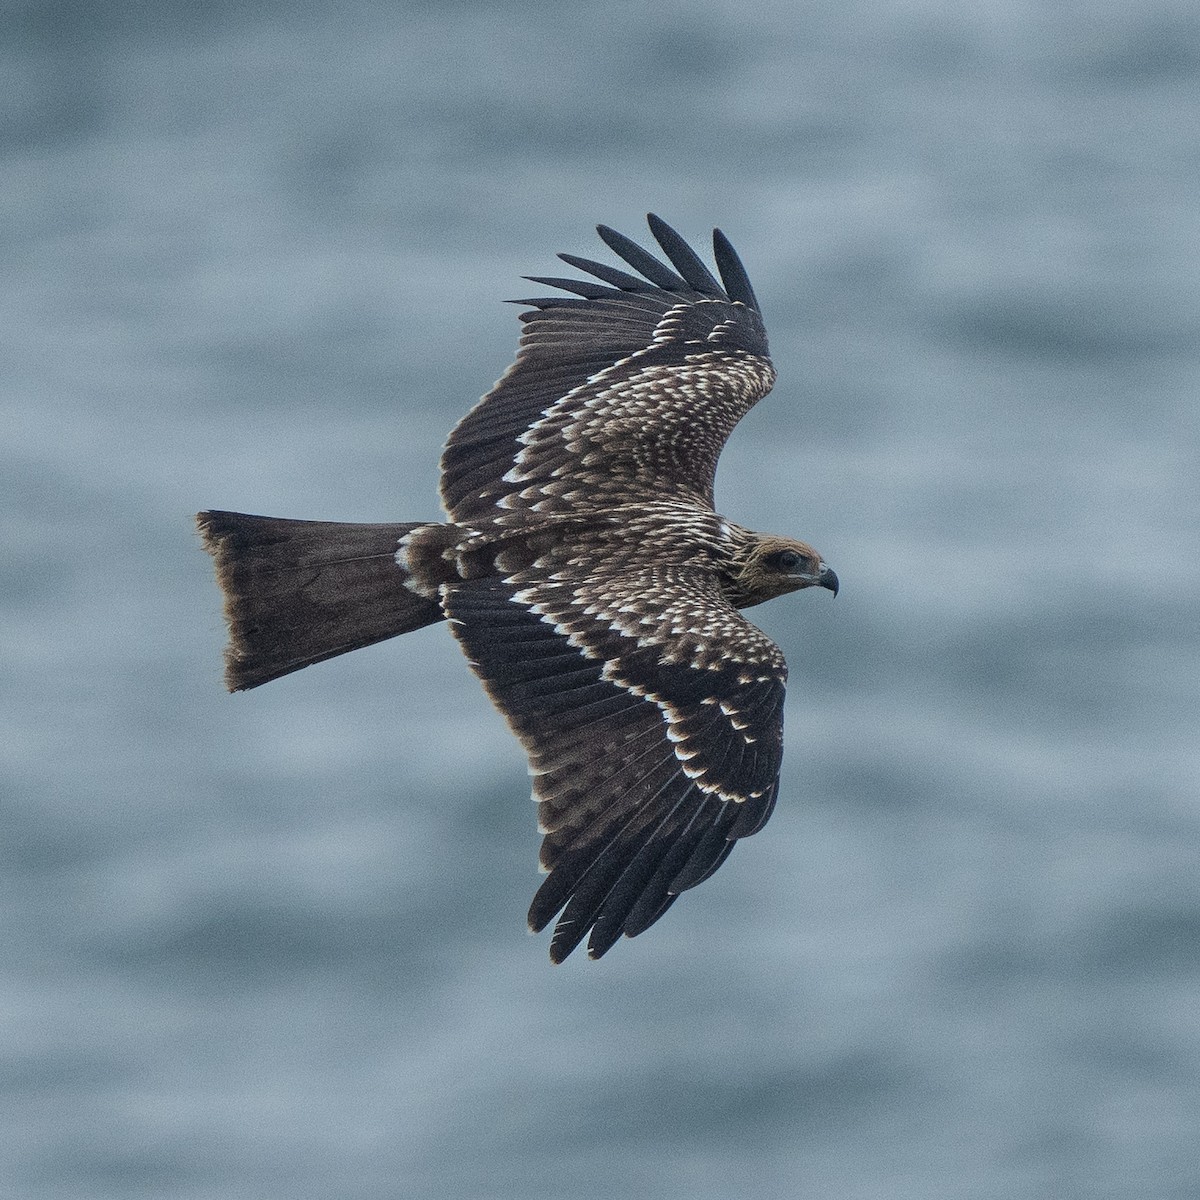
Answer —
(271, 946)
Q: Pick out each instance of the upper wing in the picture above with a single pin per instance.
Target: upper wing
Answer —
(652, 714)
(627, 391)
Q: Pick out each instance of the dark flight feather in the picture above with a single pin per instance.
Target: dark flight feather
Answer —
(684, 259)
(614, 275)
(641, 260)
(733, 274)
(581, 287)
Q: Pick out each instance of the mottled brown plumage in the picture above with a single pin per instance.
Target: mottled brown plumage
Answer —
(584, 572)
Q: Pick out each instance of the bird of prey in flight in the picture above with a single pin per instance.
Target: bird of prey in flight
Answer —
(584, 571)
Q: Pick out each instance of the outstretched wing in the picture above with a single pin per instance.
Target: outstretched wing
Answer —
(625, 391)
(652, 714)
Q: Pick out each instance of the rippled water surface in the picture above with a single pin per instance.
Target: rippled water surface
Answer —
(272, 945)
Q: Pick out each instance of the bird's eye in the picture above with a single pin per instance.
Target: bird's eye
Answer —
(788, 560)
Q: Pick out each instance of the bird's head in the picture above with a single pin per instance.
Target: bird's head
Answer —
(770, 566)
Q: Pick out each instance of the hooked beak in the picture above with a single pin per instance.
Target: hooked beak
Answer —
(827, 579)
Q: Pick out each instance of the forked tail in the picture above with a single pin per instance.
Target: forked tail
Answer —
(298, 592)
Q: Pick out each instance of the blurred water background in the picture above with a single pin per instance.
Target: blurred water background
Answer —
(273, 945)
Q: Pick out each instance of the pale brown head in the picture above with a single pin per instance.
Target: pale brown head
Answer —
(765, 565)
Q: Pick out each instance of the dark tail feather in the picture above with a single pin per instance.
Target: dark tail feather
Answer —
(298, 592)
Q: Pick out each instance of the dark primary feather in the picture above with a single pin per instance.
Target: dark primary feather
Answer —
(614, 275)
(737, 282)
(685, 260)
(581, 287)
(648, 372)
(641, 261)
